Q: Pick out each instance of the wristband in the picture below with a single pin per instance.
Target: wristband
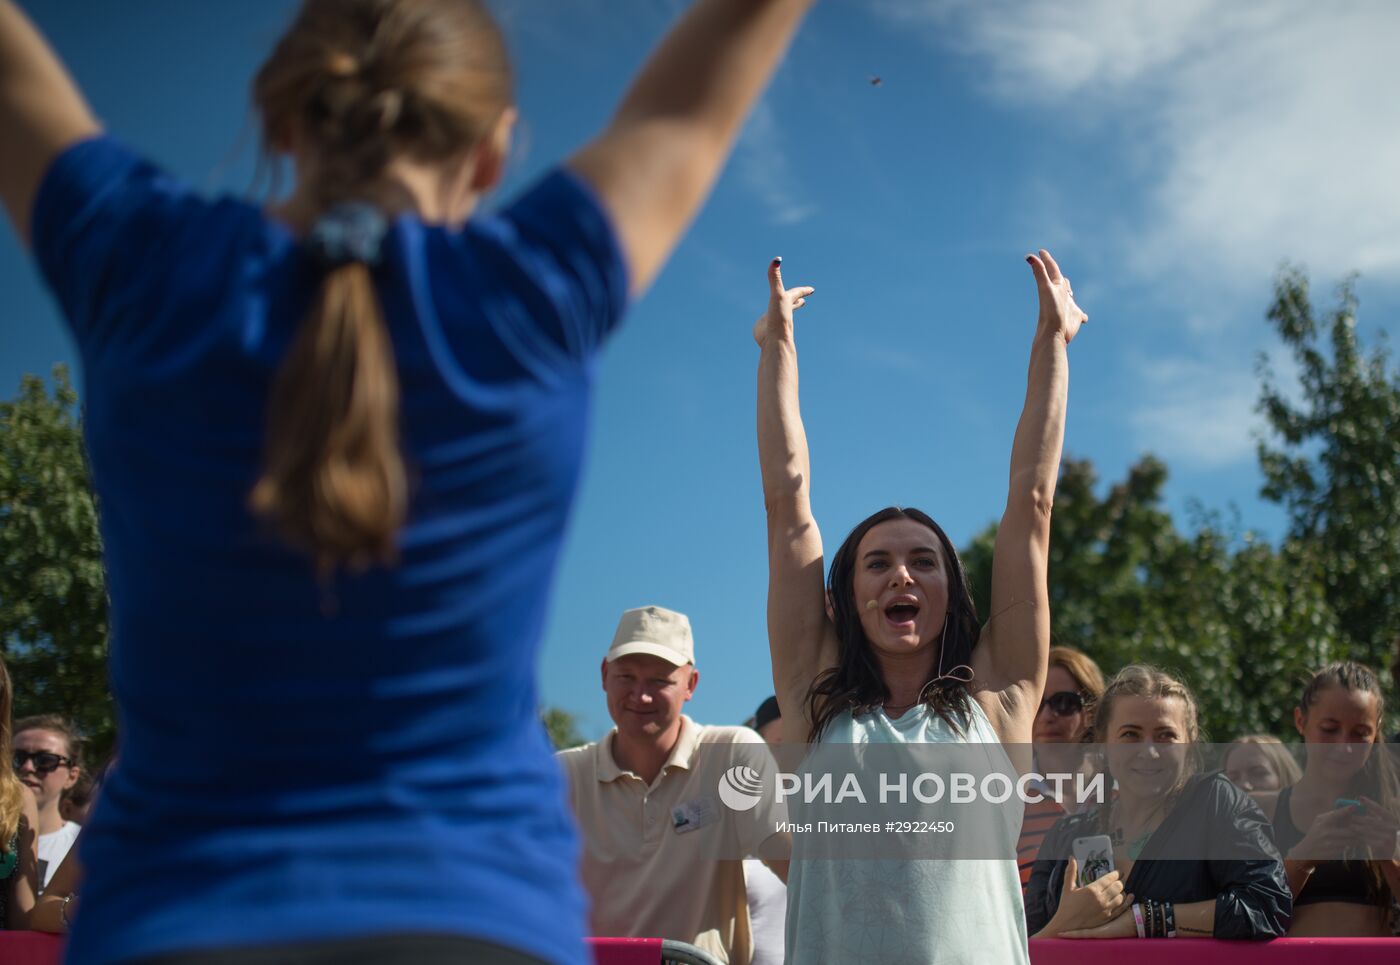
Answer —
(1137, 920)
(63, 910)
(1147, 916)
(1171, 918)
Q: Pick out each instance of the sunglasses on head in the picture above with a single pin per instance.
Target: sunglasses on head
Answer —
(1064, 703)
(44, 761)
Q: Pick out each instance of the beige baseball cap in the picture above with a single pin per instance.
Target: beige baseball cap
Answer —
(654, 630)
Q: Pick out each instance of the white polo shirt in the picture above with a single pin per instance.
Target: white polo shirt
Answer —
(652, 860)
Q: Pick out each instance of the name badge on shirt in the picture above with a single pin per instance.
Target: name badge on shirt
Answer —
(693, 815)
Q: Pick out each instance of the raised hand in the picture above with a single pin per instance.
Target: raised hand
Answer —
(1058, 311)
(782, 302)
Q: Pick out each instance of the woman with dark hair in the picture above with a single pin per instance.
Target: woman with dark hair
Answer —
(335, 440)
(1337, 826)
(891, 650)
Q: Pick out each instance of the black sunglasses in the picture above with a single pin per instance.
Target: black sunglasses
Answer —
(1064, 703)
(44, 761)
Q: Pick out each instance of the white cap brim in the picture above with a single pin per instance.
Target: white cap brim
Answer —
(651, 649)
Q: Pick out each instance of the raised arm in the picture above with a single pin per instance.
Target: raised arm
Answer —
(41, 113)
(655, 163)
(1010, 661)
(801, 639)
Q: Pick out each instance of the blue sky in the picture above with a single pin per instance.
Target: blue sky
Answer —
(1170, 155)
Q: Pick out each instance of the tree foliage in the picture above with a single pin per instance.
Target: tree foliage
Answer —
(1241, 622)
(1333, 461)
(562, 728)
(53, 598)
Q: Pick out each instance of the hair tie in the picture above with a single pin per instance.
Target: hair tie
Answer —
(351, 231)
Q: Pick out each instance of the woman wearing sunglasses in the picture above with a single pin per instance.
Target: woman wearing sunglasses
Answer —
(19, 822)
(1072, 687)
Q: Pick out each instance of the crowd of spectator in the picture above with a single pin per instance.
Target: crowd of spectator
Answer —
(1304, 850)
(1311, 826)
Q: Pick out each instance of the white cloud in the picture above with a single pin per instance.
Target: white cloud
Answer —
(1250, 132)
(1201, 413)
(1258, 130)
(764, 167)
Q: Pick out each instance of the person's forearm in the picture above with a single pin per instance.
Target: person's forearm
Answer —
(1195, 919)
(40, 112)
(782, 441)
(48, 914)
(712, 65)
(1040, 433)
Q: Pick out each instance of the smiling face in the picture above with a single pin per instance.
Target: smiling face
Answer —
(1340, 729)
(1145, 744)
(646, 694)
(900, 586)
(1251, 769)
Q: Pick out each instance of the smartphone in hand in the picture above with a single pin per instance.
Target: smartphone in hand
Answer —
(1094, 855)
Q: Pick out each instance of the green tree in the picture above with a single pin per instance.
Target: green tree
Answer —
(1333, 461)
(53, 598)
(1236, 619)
(562, 728)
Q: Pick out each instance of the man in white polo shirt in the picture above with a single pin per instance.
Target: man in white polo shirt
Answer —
(661, 848)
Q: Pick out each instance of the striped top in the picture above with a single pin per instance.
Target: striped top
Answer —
(1039, 818)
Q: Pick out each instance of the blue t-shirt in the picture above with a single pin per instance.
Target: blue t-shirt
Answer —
(303, 760)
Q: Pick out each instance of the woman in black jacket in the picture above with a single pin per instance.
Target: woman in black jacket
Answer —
(1192, 854)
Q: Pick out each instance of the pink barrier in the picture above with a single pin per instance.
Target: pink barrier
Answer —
(36, 948)
(1205, 951)
(30, 948)
(626, 951)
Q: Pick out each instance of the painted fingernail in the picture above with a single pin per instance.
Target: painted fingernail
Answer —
(778, 260)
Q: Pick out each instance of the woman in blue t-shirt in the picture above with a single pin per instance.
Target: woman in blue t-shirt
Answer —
(335, 443)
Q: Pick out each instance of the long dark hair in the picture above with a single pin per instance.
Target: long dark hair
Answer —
(855, 683)
(1377, 779)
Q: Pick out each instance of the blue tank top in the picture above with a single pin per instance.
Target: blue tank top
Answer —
(308, 761)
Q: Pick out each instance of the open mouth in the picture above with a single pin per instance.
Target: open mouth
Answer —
(901, 611)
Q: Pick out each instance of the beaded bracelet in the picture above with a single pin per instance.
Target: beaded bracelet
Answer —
(1137, 920)
(1151, 918)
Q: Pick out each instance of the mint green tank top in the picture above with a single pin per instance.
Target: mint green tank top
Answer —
(853, 911)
